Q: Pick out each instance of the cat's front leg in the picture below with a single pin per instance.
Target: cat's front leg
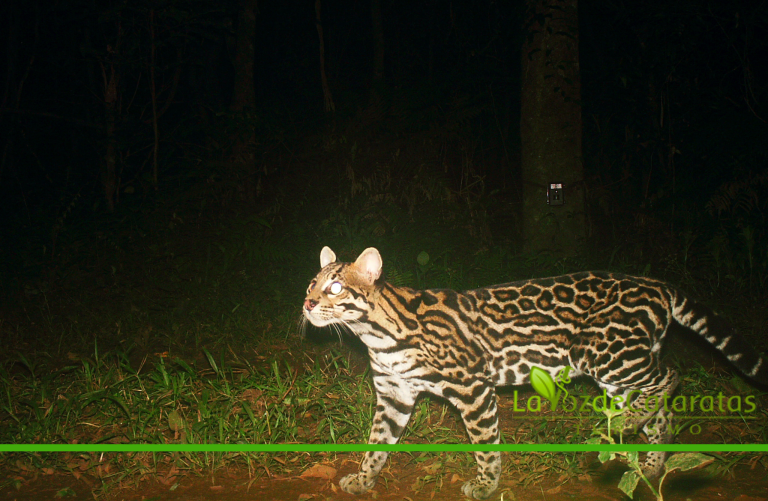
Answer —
(365, 478)
(394, 405)
(477, 404)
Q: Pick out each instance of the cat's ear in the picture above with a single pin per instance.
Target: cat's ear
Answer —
(327, 256)
(369, 264)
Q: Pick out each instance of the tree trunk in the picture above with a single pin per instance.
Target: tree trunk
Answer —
(550, 129)
(244, 98)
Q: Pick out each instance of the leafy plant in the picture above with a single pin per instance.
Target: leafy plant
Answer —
(630, 479)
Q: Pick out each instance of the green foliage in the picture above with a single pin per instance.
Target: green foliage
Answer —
(103, 398)
(630, 479)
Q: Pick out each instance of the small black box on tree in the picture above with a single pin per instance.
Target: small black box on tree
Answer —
(555, 194)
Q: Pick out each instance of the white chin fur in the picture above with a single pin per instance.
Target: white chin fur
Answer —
(317, 322)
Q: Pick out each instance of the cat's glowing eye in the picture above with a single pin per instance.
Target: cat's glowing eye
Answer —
(311, 286)
(335, 288)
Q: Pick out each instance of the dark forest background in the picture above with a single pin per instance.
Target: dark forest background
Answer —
(170, 170)
(120, 119)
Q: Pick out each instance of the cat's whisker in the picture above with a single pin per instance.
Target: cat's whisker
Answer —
(302, 326)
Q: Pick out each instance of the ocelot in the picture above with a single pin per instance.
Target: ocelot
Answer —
(461, 345)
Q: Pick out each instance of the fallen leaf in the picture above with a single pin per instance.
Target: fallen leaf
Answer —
(251, 395)
(166, 480)
(433, 468)
(319, 471)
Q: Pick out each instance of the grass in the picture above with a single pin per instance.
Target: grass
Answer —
(103, 399)
(107, 400)
(182, 327)
(326, 398)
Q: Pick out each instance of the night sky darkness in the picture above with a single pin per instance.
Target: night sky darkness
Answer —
(673, 96)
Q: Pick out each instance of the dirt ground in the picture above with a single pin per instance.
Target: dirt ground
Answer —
(400, 482)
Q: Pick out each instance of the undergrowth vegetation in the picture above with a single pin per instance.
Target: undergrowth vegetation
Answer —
(179, 322)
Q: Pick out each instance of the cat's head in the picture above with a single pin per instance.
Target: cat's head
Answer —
(340, 292)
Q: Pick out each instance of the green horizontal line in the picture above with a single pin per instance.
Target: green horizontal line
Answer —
(390, 448)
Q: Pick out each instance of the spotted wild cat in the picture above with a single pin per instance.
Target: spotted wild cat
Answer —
(461, 345)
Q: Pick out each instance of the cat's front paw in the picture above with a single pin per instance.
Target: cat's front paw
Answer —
(357, 483)
(478, 490)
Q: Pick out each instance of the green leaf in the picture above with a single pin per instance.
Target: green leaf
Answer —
(184, 366)
(687, 461)
(604, 456)
(628, 482)
(121, 404)
(543, 384)
(249, 411)
(211, 361)
(66, 492)
(422, 258)
(175, 421)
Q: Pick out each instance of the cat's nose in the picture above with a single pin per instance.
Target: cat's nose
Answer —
(309, 304)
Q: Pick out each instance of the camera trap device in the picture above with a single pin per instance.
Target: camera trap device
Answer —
(555, 194)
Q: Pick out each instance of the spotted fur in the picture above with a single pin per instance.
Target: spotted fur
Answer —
(461, 345)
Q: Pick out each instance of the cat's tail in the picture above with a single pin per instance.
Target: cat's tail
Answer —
(720, 334)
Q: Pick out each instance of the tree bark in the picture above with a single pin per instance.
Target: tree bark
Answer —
(550, 129)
